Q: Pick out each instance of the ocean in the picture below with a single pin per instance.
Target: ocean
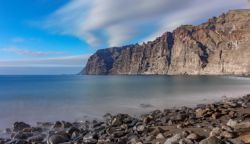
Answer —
(74, 97)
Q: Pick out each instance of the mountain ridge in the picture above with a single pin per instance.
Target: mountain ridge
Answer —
(219, 46)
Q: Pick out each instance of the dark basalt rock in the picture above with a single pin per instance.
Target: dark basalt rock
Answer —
(37, 138)
(56, 139)
(19, 126)
(180, 125)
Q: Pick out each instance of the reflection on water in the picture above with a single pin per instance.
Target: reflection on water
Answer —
(50, 98)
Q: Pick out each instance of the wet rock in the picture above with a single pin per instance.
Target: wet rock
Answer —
(45, 124)
(59, 124)
(75, 135)
(7, 131)
(23, 135)
(116, 121)
(90, 138)
(97, 124)
(17, 141)
(19, 126)
(107, 116)
(71, 130)
(211, 140)
(56, 139)
(37, 138)
(245, 105)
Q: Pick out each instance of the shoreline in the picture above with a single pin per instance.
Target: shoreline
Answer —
(225, 121)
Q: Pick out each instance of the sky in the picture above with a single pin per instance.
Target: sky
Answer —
(58, 36)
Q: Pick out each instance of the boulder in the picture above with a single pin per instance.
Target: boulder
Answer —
(193, 136)
(160, 136)
(215, 132)
(56, 139)
(231, 123)
(37, 138)
(174, 139)
(200, 112)
(19, 126)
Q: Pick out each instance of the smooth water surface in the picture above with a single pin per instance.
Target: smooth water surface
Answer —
(73, 98)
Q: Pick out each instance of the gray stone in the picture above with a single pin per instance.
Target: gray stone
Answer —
(160, 136)
(90, 138)
(37, 138)
(23, 135)
(193, 136)
(231, 123)
(174, 139)
(140, 128)
(215, 132)
(56, 139)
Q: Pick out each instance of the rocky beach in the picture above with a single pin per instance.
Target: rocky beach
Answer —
(124, 72)
(223, 122)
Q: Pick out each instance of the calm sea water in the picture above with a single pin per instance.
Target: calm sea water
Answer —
(73, 98)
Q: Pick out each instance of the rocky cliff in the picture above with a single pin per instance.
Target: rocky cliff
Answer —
(220, 46)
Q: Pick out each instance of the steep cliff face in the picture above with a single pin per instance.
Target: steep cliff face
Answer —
(220, 46)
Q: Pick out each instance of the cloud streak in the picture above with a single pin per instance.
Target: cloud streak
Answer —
(27, 52)
(67, 61)
(117, 22)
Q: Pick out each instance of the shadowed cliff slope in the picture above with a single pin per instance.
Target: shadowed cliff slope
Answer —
(220, 46)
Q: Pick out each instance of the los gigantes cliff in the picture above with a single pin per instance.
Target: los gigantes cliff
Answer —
(220, 46)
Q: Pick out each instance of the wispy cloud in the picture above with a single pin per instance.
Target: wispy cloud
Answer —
(114, 22)
(27, 52)
(22, 39)
(18, 40)
(66, 61)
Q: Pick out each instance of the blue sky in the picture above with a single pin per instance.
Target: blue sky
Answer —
(39, 36)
